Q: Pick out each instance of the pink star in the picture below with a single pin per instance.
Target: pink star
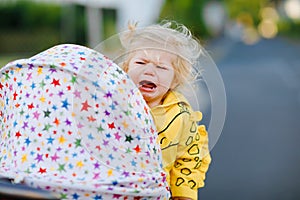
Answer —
(54, 158)
(36, 115)
(77, 94)
(117, 136)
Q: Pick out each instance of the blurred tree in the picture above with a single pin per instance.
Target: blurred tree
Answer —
(245, 10)
(26, 15)
(189, 13)
(247, 13)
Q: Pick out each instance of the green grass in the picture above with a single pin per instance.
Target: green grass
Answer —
(6, 59)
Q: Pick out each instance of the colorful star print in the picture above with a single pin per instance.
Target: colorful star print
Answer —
(73, 123)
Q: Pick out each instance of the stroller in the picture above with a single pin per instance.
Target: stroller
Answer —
(74, 126)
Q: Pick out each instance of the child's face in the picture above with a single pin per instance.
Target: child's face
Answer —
(152, 71)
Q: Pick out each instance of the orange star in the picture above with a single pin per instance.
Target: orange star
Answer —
(137, 149)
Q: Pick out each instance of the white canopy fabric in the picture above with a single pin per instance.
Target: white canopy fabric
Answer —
(74, 124)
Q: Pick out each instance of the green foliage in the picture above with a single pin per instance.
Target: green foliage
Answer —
(28, 26)
(252, 8)
(27, 15)
(187, 12)
(289, 28)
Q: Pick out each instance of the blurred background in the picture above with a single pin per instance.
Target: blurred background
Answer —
(256, 46)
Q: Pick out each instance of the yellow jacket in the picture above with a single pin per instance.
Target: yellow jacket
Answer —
(184, 145)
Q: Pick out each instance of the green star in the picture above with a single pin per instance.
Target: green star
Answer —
(63, 196)
(61, 167)
(74, 79)
(47, 127)
(119, 71)
(115, 75)
(22, 112)
(78, 143)
(7, 76)
(128, 138)
(47, 113)
(154, 149)
(100, 129)
(128, 150)
(42, 84)
(127, 113)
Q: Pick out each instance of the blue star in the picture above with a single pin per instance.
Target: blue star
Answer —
(54, 107)
(98, 197)
(90, 136)
(20, 84)
(50, 140)
(112, 106)
(139, 115)
(95, 83)
(19, 65)
(138, 137)
(81, 53)
(71, 166)
(133, 163)
(94, 96)
(75, 196)
(33, 85)
(112, 81)
(27, 141)
(65, 104)
(111, 156)
(115, 182)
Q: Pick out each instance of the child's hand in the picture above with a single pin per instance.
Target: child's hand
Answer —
(181, 198)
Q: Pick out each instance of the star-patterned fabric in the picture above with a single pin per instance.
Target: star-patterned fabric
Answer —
(73, 123)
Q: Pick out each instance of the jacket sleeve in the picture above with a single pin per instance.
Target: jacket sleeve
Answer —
(192, 162)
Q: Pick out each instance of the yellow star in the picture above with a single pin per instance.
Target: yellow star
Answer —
(110, 172)
(24, 158)
(125, 124)
(143, 165)
(42, 99)
(40, 70)
(121, 90)
(79, 164)
(61, 140)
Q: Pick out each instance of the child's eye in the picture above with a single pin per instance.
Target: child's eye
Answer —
(161, 67)
(140, 62)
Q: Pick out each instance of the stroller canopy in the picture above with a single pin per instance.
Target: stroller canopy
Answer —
(73, 123)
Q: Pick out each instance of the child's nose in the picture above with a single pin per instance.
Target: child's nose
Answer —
(150, 69)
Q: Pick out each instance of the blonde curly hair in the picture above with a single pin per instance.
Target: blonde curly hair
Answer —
(168, 36)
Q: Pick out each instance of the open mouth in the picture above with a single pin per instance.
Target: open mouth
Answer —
(148, 85)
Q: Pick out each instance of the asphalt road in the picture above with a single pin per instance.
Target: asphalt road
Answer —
(258, 153)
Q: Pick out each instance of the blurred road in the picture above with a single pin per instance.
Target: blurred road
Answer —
(258, 153)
